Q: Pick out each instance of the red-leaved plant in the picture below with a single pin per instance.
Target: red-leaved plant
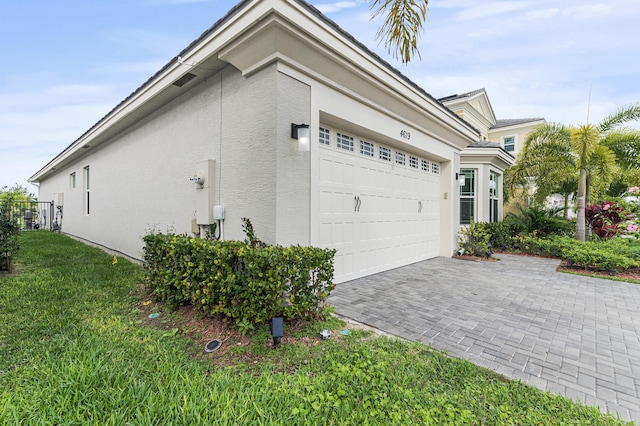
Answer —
(605, 219)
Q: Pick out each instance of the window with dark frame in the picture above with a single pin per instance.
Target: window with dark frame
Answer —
(509, 144)
(87, 187)
(468, 197)
(493, 197)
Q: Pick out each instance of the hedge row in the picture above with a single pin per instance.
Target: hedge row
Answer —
(248, 283)
(616, 254)
(9, 232)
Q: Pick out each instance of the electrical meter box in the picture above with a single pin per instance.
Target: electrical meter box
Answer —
(205, 187)
(218, 212)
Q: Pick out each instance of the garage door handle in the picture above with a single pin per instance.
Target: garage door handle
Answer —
(356, 200)
(419, 206)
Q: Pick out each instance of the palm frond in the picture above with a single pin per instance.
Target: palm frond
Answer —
(402, 26)
(621, 116)
(584, 139)
(625, 143)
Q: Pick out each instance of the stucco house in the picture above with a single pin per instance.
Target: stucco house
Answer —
(278, 115)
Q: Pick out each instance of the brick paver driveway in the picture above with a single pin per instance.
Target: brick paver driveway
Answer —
(563, 333)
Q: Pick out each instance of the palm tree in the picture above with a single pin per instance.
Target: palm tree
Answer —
(555, 155)
(545, 162)
(403, 23)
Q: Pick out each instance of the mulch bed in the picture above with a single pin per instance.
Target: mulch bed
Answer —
(475, 259)
(201, 328)
(630, 274)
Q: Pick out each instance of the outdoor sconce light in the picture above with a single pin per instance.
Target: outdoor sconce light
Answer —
(277, 330)
(460, 178)
(301, 133)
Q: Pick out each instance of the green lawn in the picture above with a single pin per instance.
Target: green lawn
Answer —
(73, 350)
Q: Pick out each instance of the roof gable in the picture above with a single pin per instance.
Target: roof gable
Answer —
(476, 99)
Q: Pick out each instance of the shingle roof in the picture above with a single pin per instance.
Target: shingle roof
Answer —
(484, 144)
(488, 144)
(463, 95)
(514, 121)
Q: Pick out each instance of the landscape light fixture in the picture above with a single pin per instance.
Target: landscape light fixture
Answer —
(301, 133)
(277, 330)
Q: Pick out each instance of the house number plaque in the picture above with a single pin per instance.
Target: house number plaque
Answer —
(405, 134)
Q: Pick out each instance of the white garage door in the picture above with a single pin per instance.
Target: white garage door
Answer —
(378, 206)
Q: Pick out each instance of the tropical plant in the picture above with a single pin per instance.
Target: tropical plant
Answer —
(605, 219)
(17, 193)
(555, 155)
(540, 221)
(474, 240)
(403, 22)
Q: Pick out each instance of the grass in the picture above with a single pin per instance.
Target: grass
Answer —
(74, 350)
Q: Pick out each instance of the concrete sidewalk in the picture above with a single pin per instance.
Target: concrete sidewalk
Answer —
(562, 333)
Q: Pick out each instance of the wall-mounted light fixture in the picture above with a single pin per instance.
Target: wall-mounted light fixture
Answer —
(460, 177)
(301, 133)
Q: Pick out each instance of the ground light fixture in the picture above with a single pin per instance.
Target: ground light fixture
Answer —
(277, 330)
(301, 133)
(213, 345)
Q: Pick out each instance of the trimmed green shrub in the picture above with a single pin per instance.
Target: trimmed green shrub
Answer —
(250, 283)
(474, 240)
(501, 234)
(9, 232)
(616, 254)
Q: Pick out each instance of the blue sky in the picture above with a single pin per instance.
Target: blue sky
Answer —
(66, 64)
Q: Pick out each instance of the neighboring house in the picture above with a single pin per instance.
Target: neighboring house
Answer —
(483, 162)
(372, 172)
(474, 107)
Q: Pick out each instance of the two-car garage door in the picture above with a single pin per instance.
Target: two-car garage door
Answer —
(378, 206)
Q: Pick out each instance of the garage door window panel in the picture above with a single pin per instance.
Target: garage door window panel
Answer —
(344, 142)
(324, 136)
(367, 149)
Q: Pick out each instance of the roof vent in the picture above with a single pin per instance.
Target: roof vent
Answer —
(184, 79)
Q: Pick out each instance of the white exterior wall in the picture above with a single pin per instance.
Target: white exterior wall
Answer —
(140, 180)
(483, 171)
(293, 179)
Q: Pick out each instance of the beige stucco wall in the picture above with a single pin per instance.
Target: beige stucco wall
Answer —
(140, 180)
(519, 133)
